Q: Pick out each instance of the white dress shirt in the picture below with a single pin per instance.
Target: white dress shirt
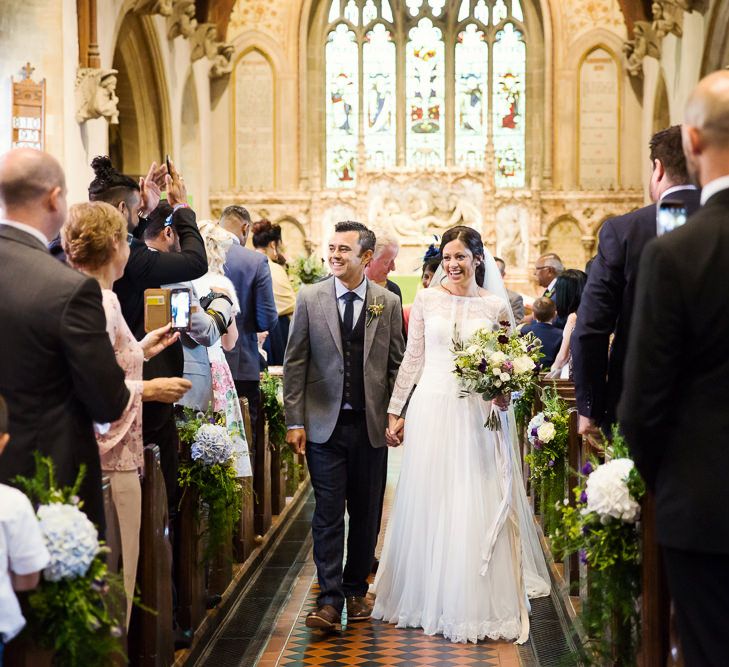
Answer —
(28, 230)
(361, 291)
(711, 188)
(676, 188)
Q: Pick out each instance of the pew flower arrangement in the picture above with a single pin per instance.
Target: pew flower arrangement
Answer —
(306, 270)
(603, 528)
(72, 611)
(495, 361)
(210, 470)
(547, 432)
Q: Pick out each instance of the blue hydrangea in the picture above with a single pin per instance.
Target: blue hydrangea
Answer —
(212, 445)
(71, 540)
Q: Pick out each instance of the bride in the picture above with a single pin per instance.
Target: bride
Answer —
(461, 555)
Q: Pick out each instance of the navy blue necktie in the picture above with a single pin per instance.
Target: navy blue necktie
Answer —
(348, 319)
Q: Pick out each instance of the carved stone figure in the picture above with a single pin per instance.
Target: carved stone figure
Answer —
(512, 234)
(666, 18)
(223, 61)
(204, 42)
(182, 21)
(163, 7)
(96, 95)
(643, 44)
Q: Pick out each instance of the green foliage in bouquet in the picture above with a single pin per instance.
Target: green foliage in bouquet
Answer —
(603, 529)
(524, 405)
(77, 615)
(272, 390)
(306, 270)
(213, 476)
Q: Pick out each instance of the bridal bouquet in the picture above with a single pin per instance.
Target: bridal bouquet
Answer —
(494, 362)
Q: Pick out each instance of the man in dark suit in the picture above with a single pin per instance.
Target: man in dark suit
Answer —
(58, 371)
(551, 337)
(345, 347)
(607, 302)
(249, 272)
(674, 407)
(145, 268)
(546, 271)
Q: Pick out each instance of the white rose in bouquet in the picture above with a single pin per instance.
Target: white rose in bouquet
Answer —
(546, 432)
(497, 358)
(608, 494)
(523, 364)
(71, 540)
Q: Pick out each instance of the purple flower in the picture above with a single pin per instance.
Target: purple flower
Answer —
(585, 530)
(505, 323)
(583, 497)
(550, 463)
(508, 367)
(482, 366)
(583, 557)
(534, 432)
(503, 339)
(587, 468)
(537, 444)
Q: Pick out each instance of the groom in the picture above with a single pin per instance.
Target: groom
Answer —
(343, 353)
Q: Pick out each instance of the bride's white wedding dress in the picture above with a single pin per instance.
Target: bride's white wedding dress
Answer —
(461, 554)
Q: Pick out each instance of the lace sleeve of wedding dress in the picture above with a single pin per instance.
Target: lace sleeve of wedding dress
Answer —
(412, 363)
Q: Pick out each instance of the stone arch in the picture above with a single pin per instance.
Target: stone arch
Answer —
(294, 238)
(564, 237)
(143, 134)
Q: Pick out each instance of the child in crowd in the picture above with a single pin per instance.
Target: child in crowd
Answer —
(22, 551)
(544, 313)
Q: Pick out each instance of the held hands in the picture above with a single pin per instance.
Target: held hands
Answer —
(175, 184)
(502, 401)
(394, 431)
(157, 340)
(165, 390)
(296, 439)
(588, 429)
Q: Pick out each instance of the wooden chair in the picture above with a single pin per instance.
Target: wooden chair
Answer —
(244, 535)
(150, 633)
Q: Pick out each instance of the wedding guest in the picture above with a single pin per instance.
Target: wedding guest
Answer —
(58, 373)
(267, 240)
(516, 300)
(251, 276)
(23, 552)
(377, 271)
(673, 408)
(95, 241)
(546, 271)
(607, 304)
(147, 269)
(567, 294)
(543, 328)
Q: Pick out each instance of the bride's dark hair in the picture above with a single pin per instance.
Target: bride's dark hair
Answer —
(472, 240)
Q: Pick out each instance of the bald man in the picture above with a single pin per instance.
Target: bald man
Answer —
(675, 406)
(58, 372)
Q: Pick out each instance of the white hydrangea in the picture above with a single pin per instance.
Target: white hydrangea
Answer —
(546, 432)
(523, 364)
(608, 494)
(212, 445)
(497, 358)
(71, 540)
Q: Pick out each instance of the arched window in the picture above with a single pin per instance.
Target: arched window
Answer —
(425, 84)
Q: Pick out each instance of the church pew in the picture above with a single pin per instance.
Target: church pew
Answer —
(189, 562)
(150, 633)
(278, 479)
(262, 479)
(244, 535)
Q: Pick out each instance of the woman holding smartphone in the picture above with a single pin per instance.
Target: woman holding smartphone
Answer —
(96, 242)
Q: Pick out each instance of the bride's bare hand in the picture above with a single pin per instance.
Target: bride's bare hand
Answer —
(502, 401)
(394, 430)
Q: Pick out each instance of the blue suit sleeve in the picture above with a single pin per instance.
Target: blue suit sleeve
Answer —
(266, 313)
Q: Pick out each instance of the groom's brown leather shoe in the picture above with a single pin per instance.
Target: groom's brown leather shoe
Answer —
(325, 618)
(358, 609)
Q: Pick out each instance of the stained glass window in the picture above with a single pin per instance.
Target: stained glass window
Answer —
(485, 47)
(425, 91)
(471, 105)
(342, 106)
(378, 57)
(508, 107)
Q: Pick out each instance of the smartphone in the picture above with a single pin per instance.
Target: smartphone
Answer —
(180, 307)
(671, 215)
(167, 162)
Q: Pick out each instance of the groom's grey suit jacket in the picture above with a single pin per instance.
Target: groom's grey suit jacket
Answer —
(314, 361)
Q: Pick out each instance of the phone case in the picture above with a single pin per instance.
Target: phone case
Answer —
(156, 308)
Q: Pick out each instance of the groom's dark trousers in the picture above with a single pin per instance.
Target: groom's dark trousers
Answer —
(346, 473)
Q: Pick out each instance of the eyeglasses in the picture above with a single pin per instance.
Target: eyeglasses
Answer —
(130, 238)
(541, 268)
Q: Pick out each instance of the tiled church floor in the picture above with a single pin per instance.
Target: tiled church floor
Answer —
(369, 643)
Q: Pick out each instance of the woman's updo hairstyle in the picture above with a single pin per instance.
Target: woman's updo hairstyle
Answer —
(264, 232)
(90, 232)
(472, 240)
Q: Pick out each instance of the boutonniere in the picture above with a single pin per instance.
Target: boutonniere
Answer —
(374, 310)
